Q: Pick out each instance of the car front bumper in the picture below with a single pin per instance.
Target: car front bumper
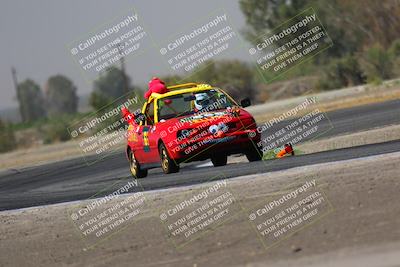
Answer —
(202, 148)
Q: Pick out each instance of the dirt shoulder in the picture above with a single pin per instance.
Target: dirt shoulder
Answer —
(363, 215)
(379, 135)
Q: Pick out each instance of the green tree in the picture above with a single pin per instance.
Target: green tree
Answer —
(233, 76)
(7, 137)
(377, 63)
(394, 49)
(352, 24)
(55, 130)
(394, 52)
(108, 87)
(31, 101)
(370, 21)
(342, 72)
(61, 96)
(264, 15)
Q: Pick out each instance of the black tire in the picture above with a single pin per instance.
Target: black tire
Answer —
(134, 166)
(253, 154)
(167, 164)
(219, 160)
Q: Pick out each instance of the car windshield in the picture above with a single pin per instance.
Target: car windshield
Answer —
(190, 103)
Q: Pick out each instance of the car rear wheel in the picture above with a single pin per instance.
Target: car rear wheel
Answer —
(167, 164)
(134, 166)
(253, 154)
(219, 160)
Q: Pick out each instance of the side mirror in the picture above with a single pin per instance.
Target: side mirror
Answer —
(245, 102)
(128, 117)
(140, 117)
(136, 117)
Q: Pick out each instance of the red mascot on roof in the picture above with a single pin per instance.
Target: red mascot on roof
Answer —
(156, 86)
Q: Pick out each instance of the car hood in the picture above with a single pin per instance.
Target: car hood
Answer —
(205, 119)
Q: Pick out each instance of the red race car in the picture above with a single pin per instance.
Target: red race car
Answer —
(191, 122)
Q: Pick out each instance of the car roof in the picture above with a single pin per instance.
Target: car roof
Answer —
(182, 89)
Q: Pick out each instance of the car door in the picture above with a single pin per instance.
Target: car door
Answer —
(149, 149)
(135, 140)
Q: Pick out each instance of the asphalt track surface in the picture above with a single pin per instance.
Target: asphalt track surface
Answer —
(73, 179)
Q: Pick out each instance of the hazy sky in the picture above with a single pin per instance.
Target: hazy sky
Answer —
(35, 35)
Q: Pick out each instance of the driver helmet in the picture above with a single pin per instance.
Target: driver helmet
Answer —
(201, 101)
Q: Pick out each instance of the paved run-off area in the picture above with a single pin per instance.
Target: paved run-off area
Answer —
(363, 221)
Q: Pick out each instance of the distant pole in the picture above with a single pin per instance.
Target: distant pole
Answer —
(124, 77)
(15, 80)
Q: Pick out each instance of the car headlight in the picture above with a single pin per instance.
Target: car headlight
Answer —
(213, 129)
(182, 134)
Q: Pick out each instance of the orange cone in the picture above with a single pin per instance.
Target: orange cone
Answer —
(288, 149)
(281, 153)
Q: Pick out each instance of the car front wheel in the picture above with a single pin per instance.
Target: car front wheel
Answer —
(167, 164)
(219, 160)
(134, 166)
(253, 154)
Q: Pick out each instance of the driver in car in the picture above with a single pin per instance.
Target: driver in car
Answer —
(201, 101)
